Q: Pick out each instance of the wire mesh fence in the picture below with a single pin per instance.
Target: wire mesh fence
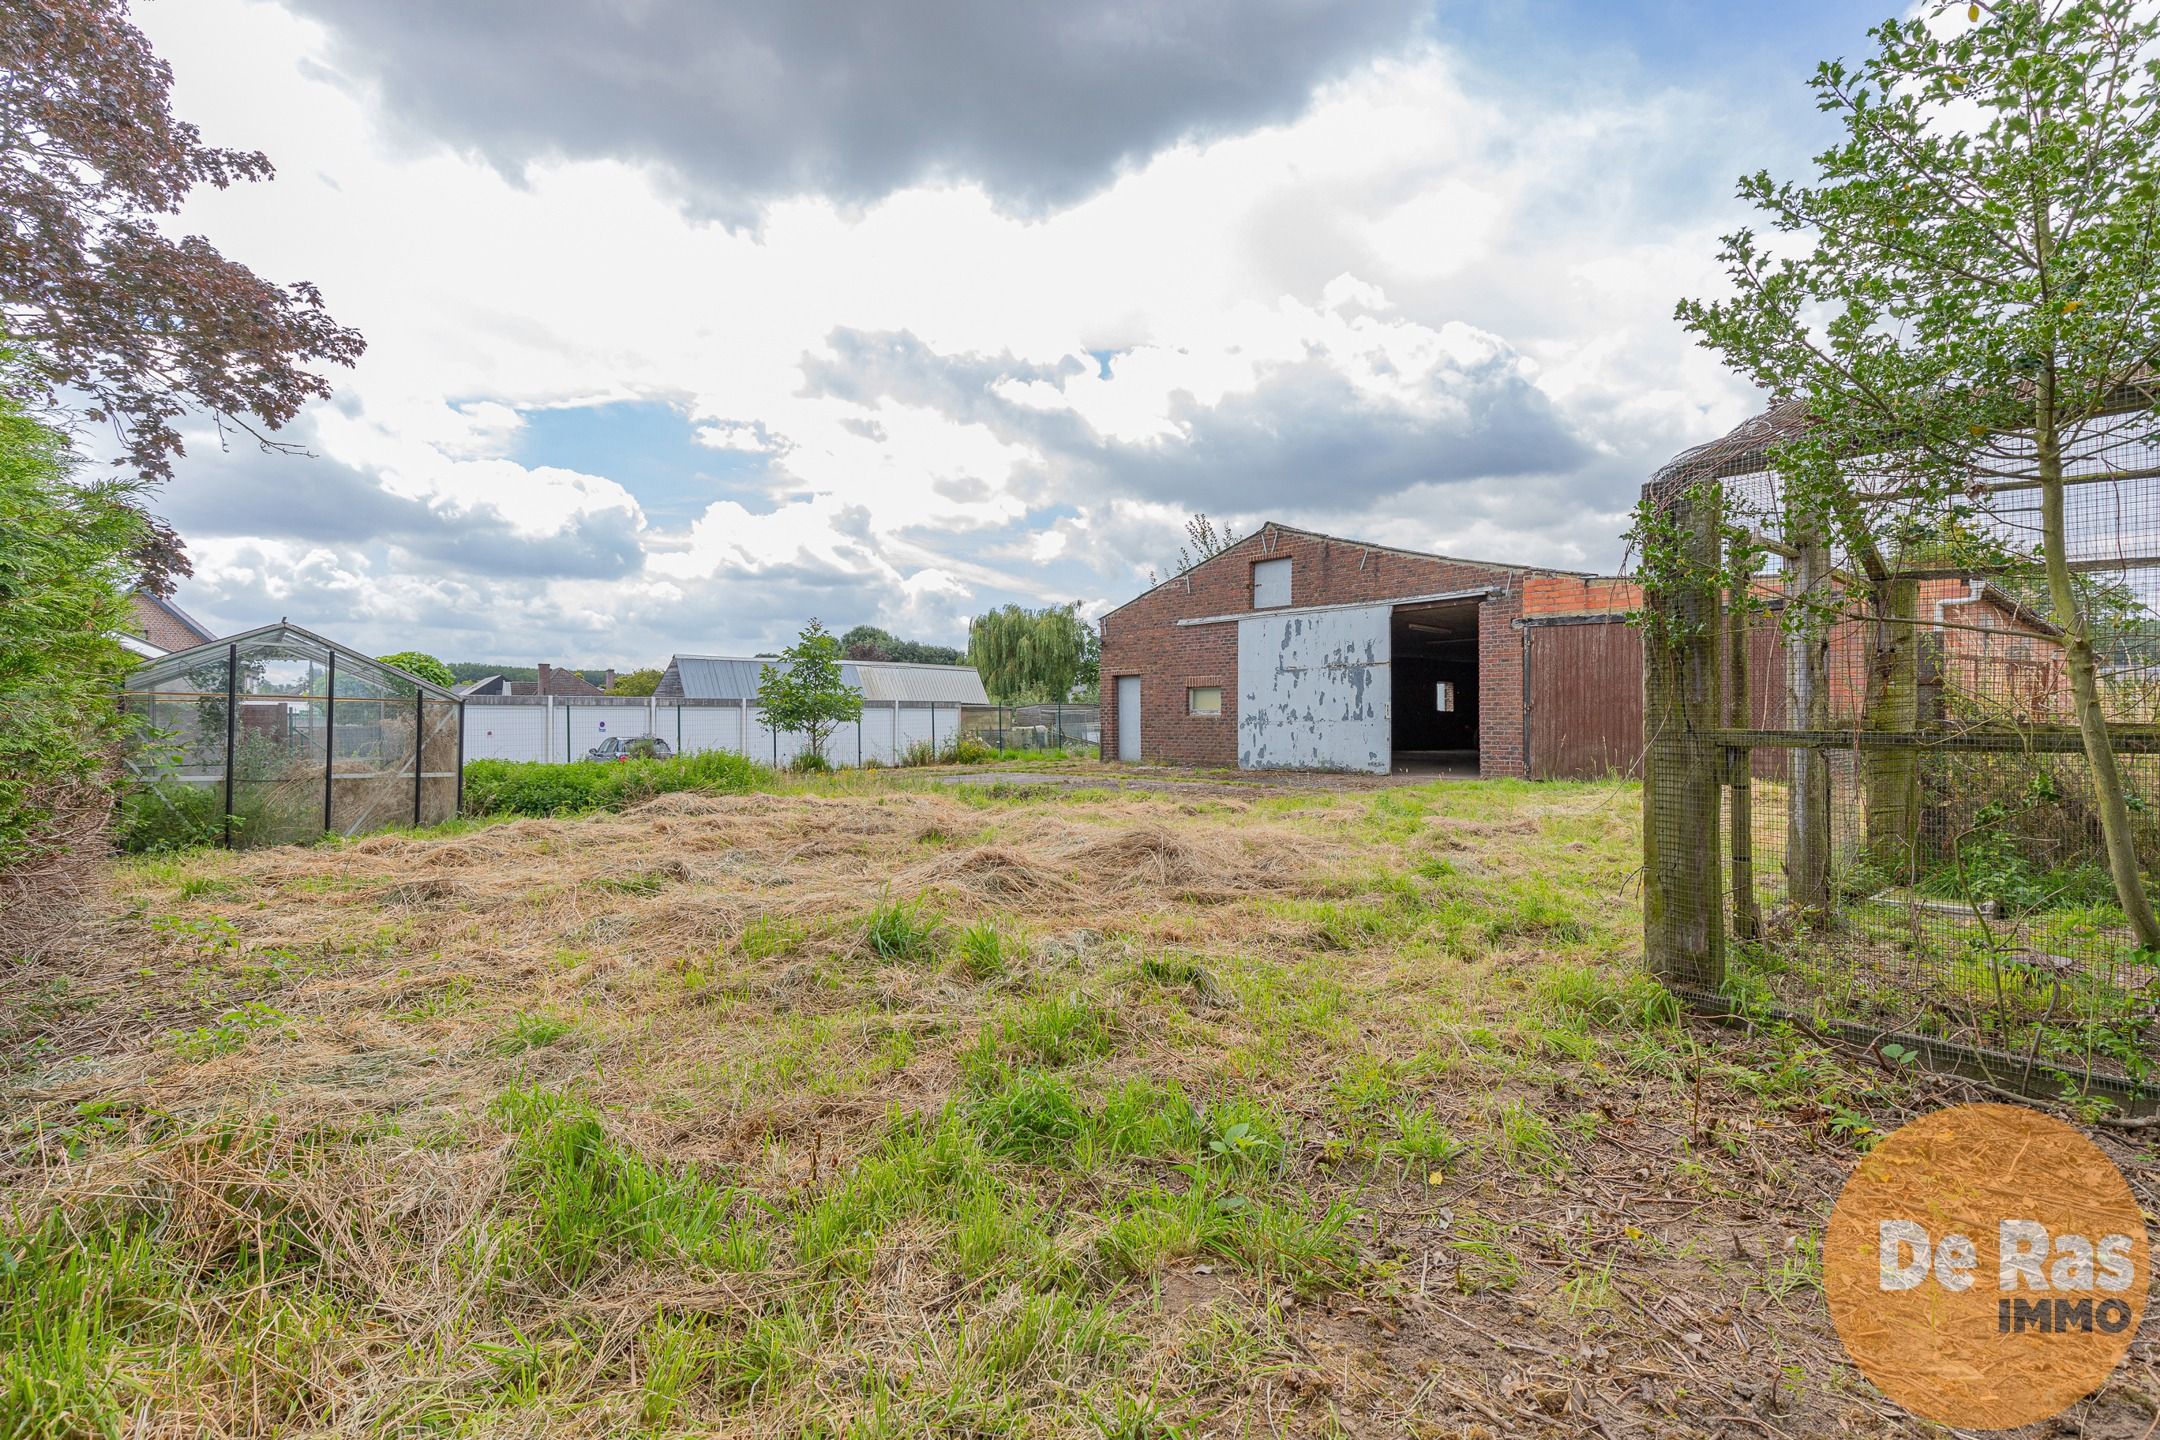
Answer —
(1869, 804)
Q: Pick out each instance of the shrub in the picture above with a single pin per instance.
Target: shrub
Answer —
(426, 666)
(809, 762)
(965, 750)
(968, 750)
(512, 787)
(65, 568)
(164, 815)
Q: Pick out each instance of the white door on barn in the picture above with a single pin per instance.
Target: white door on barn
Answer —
(1128, 717)
(1313, 690)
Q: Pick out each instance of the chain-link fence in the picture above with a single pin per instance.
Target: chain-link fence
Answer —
(1869, 805)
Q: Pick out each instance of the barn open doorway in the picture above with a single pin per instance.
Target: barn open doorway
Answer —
(1433, 720)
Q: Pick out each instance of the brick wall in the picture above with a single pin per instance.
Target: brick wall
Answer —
(1143, 638)
(1500, 687)
(161, 627)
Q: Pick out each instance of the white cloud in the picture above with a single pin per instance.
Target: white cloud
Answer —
(1395, 247)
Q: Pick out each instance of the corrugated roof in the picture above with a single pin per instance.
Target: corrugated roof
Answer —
(884, 680)
(726, 677)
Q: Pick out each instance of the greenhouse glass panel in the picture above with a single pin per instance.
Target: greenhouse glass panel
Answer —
(278, 735)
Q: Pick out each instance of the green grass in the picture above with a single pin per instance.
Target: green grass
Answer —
(903, 931)
(798, 1149)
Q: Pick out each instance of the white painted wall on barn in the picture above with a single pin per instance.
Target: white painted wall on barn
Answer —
(1314, 690)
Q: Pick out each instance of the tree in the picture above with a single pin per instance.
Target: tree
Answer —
(868, 642)
(803, 690)
(143, 328)
(1028, 655)
(1974, 303)
(1087, 685)
(427, 667)
(637, 682)
(65, 570)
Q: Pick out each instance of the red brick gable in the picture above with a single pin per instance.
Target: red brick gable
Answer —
(164, 624)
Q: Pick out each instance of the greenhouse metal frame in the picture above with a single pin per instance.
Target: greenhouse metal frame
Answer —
(278, 735)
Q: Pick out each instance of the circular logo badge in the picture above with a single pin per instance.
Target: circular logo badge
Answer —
(1986, 1266)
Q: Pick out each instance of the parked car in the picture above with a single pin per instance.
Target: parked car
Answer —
(636, 747)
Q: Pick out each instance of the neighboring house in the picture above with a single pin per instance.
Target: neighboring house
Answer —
(164, 625)
(1297, 650)
(563, 684)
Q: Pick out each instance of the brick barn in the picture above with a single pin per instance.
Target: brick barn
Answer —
(1297, 650)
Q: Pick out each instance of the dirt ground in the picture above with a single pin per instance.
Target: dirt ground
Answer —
(882, 1106)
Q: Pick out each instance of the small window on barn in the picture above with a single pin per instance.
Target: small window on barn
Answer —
(1203, 700)
(1444, 697)
(1270, 584)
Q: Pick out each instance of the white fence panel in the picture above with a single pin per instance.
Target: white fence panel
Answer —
(843, 746)
(505, 732)
(879, 733)
(591, 725)
(915, 727)
(534, 730)
(709, 727)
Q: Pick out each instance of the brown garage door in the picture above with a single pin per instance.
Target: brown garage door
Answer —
(1583, 708)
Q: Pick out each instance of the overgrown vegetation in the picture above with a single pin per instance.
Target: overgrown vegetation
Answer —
(533, 787)
(422, 664)
(65, 571)
(1091, 1113)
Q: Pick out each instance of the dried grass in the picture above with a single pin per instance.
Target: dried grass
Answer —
(609, 958)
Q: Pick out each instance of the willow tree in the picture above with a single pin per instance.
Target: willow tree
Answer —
(1025, 654)
(1966, 304)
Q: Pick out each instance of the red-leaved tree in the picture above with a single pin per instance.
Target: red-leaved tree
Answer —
(104, 309)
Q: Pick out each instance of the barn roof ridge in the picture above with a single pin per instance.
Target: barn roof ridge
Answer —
(1512, 567)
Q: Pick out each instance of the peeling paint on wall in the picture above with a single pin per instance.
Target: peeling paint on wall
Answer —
(1314, 691)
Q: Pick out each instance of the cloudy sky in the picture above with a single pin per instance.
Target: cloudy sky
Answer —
(687, 321)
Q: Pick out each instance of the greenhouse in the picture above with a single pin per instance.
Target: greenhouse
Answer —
(278, 735)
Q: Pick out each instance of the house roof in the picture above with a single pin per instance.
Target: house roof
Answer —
(734, 677)
(558, 681)
(1280, 528)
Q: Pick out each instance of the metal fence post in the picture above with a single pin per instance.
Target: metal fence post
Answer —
(329, 762)
(419, 749)
(460, 810)
(232, 726)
